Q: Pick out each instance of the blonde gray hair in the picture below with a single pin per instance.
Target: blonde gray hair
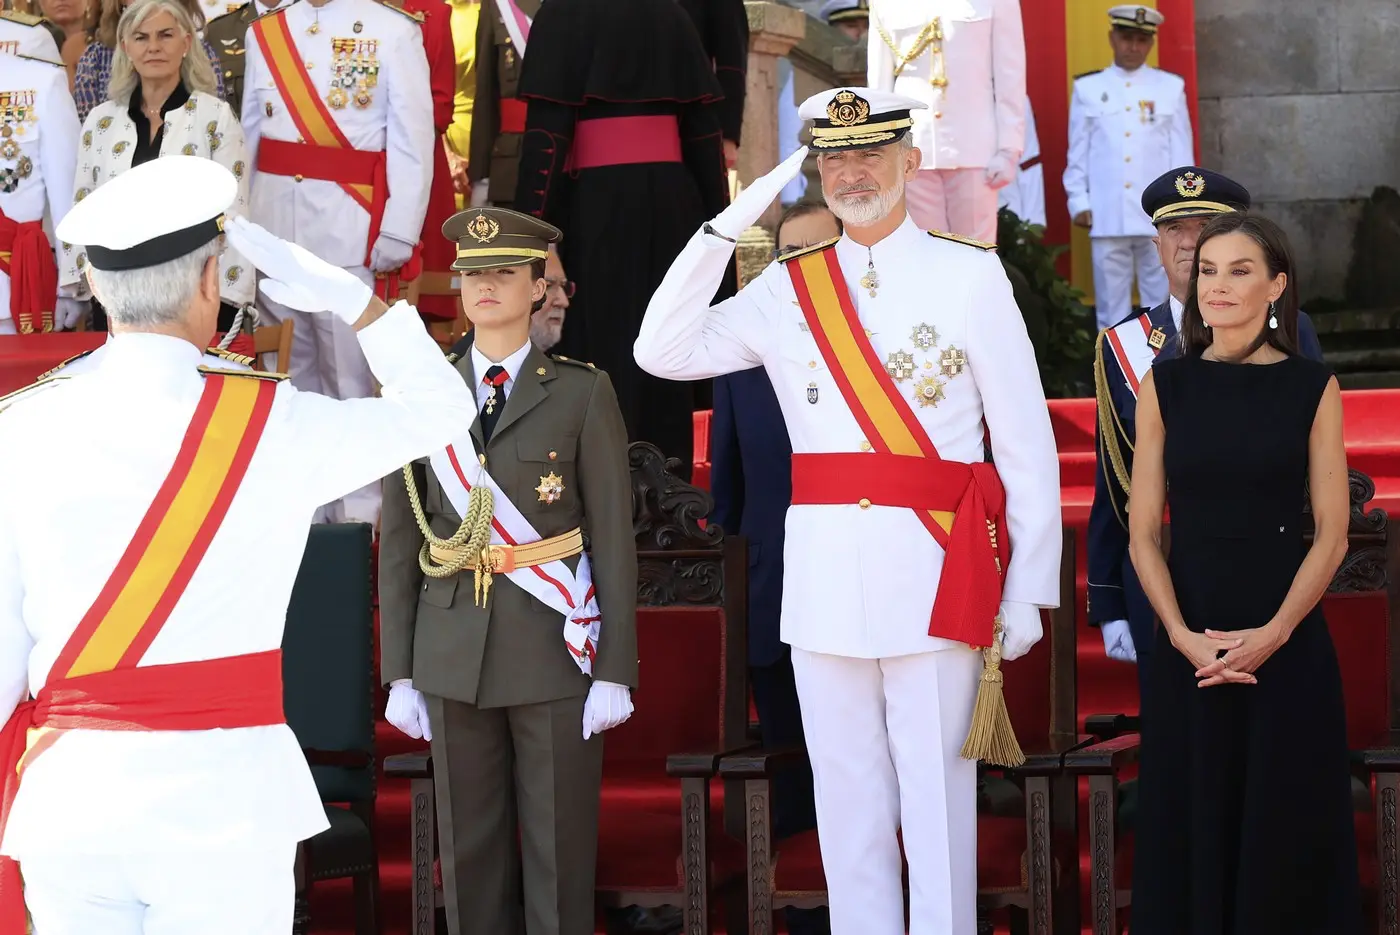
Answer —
(156, 295)
(196, 71)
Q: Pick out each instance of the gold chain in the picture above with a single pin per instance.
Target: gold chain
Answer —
(930, 35)
(472, 540)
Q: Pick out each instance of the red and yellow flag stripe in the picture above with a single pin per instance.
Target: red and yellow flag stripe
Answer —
(884, 415)
(176, 531)
(310, 114)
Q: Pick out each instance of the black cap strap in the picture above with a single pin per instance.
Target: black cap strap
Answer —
(157, 250)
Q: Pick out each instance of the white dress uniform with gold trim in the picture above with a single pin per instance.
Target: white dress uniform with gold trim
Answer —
(205, 126)
(885, 706)
(23, 34)
(966, 61)
(38, 150)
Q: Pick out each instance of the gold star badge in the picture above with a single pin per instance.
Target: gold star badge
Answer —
(551, 488)
(929, 391)
(925, 337)
(900, 365)
(952, 362)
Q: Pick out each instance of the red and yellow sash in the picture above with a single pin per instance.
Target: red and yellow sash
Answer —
(960, 504)
(95, 682)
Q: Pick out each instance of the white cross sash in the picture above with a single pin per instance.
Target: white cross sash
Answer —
(517, 24)
(569, 593)
(1129, 342)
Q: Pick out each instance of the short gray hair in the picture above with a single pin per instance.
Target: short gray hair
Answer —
(196, 71)
(154, 296)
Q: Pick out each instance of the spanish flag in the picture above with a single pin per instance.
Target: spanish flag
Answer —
(1065, 38)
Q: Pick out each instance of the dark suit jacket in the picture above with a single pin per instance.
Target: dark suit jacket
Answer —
(560, 417)
(495, 155)
(751, 480)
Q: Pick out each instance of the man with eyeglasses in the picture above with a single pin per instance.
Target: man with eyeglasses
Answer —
(547, 324)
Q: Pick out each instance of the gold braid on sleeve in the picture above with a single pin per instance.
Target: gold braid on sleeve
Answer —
(1110, 427)
(470, 544)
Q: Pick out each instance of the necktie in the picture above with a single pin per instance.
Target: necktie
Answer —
(495, 378)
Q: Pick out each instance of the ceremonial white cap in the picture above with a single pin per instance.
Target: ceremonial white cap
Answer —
(150, 214)
(857, 118)
(1132, 16)
(841, 11)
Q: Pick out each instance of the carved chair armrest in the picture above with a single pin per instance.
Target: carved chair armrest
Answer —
(758, 763)
(1107, 758)
(1045, 756)
(700, 765)
(409, 766)
(346, 759)
(1108, 726)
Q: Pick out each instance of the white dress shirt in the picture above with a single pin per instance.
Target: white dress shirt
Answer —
(512, 365)
(114, 792)
(1178, 311)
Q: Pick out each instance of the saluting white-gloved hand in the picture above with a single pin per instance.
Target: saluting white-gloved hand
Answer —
(297, 278)
(754, 200)
(1118, 641)
(68, 312)
(608, 704)
(389, 254)
(1020, 629)
(407, 710)
(1001, 170)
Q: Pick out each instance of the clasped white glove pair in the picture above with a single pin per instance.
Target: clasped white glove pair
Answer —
(389, 254)
(1020, 629)
(1118, 641)
(1001, 170)
(297, 278)
(750, 204)
(608, 704)
(407, 710)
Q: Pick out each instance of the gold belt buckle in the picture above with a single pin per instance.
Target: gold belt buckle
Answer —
(502, 559)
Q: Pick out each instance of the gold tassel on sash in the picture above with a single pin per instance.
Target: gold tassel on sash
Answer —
(471, 541)
(991, 737)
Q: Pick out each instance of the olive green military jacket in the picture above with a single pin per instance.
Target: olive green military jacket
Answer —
(561, 417)
(226, 35)
(495, 155)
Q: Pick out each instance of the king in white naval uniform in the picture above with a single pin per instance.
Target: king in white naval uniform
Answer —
(338, 122)
(896, 538)
(1128, 124)
(161, 789)
(965, 60)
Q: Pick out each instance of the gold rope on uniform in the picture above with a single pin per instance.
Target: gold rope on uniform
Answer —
(991, 736)
(470, 544)
(1110, 428)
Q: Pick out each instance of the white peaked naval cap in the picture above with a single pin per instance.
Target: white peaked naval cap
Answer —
(857, 118)
(1132, 16)
(150, 214)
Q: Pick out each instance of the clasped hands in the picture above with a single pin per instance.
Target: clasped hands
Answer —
(1224, 657)
(608, 704)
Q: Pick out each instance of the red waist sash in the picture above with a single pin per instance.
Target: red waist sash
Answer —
(27, 258)
(332, 164)
(620, 141)
(969, 589)
(513, 115)
(232, 692)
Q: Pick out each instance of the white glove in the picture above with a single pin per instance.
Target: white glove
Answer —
(68, 313)
(480, 191)
(1021, 629)
(407, 710)
(295, 277)
(389, 254)
(1001, 170)
(608, 705)
(1118, 641)
(754, 200)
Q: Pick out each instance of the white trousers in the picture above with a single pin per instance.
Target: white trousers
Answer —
(955, 201)
(326, 359)
(884, 737)
(1116, 259)
(7, 326)
(237, 893)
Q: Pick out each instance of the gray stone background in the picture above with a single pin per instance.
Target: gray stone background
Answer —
(1300, 101)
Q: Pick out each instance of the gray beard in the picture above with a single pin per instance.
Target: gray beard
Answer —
(868, 209)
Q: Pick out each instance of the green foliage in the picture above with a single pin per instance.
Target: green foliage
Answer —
(1053, 309)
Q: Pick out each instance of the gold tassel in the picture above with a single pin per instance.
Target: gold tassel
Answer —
(991, 737)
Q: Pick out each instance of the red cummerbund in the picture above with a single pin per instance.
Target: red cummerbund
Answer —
(879, 480)
(512, 115)
(621, 141)
(327, 163)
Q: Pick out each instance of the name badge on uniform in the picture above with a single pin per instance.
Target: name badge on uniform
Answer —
(1147, 111)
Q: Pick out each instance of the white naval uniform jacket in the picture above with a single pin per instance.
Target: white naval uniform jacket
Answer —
(114, 792)
(317, 214)
(861, 582)
(1125, 130)
(50, 144)
(34, 41)
(205, 126)
(981, 111)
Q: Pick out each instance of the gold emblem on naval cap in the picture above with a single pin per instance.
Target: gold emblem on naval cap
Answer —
(1141, 16)
(847, 109)
(483, 228)
(1190, 185)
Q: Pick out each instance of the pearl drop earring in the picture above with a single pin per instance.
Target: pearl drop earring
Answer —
(1273, 319)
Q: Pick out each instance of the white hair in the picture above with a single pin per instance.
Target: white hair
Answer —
(196, 71)
(156, 295)
(863, 211)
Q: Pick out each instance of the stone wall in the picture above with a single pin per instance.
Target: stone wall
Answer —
(1300, 102)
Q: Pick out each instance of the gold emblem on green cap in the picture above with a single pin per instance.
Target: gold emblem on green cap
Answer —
(483, 229)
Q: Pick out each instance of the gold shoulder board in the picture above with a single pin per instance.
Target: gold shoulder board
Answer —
(233, 11)
(48, 373)
(415, 16)
(803, 251)
(15, 16)
(13, 397)
(223, 354)
(255, 374)
(569, 360)
(965, 241)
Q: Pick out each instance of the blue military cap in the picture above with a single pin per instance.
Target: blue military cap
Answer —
(1191, 192)
(842, 11)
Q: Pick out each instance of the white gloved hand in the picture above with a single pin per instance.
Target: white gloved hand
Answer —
(608, 705)
(754, 200)
(68, 312)
(1118, 641)
(389, 254)
(1001, 170)
(1021, 629)
(407, 710)
(297, 278)
(480, 192)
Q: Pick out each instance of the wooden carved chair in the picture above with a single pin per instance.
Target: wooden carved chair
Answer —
(661, 832)
(274, 339)
(1030, 812)
(1370, 567)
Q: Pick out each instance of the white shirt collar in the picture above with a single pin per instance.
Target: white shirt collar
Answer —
(896, 241)
(513, 363)
(1178, 311)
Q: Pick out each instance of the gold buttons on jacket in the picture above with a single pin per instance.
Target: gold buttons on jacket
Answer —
(864, 445)
(864, 503)
(554, 456)
(296, 178)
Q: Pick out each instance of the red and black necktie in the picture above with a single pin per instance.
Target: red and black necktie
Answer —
(495, 378)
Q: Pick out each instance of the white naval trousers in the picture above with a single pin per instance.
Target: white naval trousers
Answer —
(884, 737)
(248, 892)
(1116, 259)
(955, 201)
(326, 359)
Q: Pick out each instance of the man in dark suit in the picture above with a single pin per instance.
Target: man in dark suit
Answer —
(498, 116)
(751, 480)
(1180, 203)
